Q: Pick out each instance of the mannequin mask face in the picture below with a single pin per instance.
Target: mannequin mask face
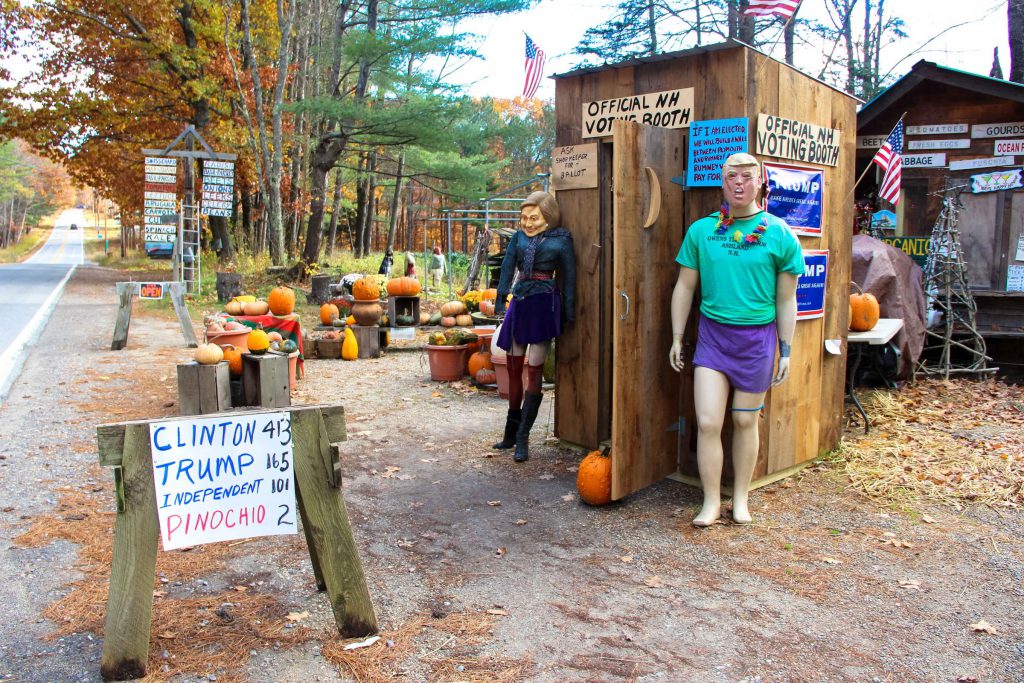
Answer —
(531, 220)
(740, 186)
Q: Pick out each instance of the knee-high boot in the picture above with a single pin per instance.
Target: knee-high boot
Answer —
(531, 405)
(511, 428)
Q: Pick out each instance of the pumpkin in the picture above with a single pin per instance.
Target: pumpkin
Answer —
(233, 355)
(255, 307)
(491, 294)
(486, 376)
(403, 286)
(349, 347)
(481, 360)
(594, 478)
(289, 346)
(464, 320)
(366, 289)
(424, 318)
(281, 301)
(404, 320)
(258, 342)
(486, 307)
(235, 307)
(864, 311)
(232, 325)
(208, 354)
(275, 336)
(328, 313)
(214, 328)
(448, 321)
(351, 320)
(244, 298)
(453, 308)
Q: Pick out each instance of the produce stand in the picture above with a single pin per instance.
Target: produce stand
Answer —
(286, 327)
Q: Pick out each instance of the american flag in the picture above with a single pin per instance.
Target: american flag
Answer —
(766, 8)
(534, 67)
(888, 159)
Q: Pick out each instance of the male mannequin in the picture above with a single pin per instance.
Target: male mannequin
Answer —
(746, 263)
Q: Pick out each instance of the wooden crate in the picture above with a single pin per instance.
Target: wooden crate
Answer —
(328, 348)
(368, 339)
(203, 389)
(265, 381)
(403, 305)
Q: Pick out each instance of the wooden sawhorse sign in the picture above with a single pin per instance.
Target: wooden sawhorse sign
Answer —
(127, 447)
(127, 291)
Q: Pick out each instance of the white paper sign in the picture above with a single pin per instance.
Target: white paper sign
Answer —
(223, 478)
(1015, 279)
(1020, 249)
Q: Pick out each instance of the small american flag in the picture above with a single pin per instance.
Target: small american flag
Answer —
(766, 8)
(888, 159)
(534, 67)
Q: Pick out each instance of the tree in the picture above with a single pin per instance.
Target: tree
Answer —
(1015, 23)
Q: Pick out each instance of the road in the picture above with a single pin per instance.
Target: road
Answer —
(30, 290)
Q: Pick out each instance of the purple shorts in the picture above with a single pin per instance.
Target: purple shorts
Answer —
(745, 354)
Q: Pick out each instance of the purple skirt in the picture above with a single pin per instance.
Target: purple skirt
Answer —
(745, 354)
(531, 320)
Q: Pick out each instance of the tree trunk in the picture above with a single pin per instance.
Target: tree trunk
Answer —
(324, 157)
(483, 239)
(396, 199)
(790, 35)
(1015, 21)
(335, 213)
(219, 227)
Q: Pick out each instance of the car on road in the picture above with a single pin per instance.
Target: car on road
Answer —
(74, 226)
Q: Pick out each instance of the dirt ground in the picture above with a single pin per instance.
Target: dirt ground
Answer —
(484, 570)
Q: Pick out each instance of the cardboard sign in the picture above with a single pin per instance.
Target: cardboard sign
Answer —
(667, 109)
(962, 143)
(223, 478)
(151, 290)
(914, 247)
(711, 142)
(811, 287)
(797, 195)
(791, 139)
(997, 130)
(995, 181)
(933, 160)
(574, 167)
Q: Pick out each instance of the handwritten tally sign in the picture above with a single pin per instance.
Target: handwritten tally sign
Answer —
(797, 195)
(223, 478)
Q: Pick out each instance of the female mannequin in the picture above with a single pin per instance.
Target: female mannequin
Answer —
(539, 309)
(747, 263)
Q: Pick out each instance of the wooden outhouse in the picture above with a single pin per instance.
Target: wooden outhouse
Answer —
(965, 131)
(614, 382)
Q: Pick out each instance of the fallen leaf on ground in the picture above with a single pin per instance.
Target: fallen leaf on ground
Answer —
(626, 558)
(520, 522)
(830, 560)
(546, 476)
(927, 519)
(500, 551)
(168, 635)
(362, 643)
(296, 616)
(497, 612)
(654, 582)
(390, 471)
(159, 594)
(568, 497)
(494, 503)
(983, 625)
(910, 584)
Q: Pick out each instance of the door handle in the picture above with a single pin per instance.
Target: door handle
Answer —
(654, 204)
(626, 297)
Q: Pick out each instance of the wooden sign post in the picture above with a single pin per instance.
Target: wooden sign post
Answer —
(126, 293)
(337, 568)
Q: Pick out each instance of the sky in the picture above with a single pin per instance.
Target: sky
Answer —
(967, 32)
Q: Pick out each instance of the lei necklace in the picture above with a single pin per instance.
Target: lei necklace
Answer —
(725, 221)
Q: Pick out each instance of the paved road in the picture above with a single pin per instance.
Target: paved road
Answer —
(29, 291)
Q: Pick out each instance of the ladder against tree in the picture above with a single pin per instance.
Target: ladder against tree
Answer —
(954, 345)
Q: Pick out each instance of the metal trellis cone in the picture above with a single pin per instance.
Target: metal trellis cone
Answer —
(954, 345)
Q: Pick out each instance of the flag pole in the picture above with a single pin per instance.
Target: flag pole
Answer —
(871, 163)
(775, 42)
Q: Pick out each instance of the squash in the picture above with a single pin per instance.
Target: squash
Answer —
(233, 325)
(235, 307)
(864, 310)
(244, 298)
(481, 360)
(233, 355)
(594, 478)
(350, 320)
(255, 307)
(289, 346)
(453, 308)
(404, 320)
(486, 376)
(486, 307)
(491, 294)
(340, 322)
(448, 321)
(208, 354)
(275, 336)
(464, 320)
(424, 318)
(258, 342)
(437, 339)
(403, 286)
(328, 314)
(281, 301)
(366, 289)
(435, 318)
(349, 347)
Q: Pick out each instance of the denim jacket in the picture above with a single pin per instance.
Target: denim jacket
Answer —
(553, 254)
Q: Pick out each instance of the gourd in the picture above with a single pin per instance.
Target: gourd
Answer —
(486, 376)
(481, 360)
(405, 320)
(594, 478)
(365, 289)
(289, 346)
(244, 298)
(351, 320)
(464, 320)
(255, 307)
(453, 308)
(235, 307)
(448, 321)
(233, 355)
(328, 314)
(424, 318)
(281, 301)
(233, 325)
(403, 286)
(349, 347)
(486, 307)
(437, 339)
(208, 354)
(435, 318)
(275, 336)
(864, 311)
(258, 342)
(340, 322)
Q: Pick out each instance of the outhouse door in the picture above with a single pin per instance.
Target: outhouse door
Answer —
(647, 230)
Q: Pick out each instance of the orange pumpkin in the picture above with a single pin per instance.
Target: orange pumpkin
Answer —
(486, 306)
(864, 311)
(481, 360)
(453, 308)
(448, 321)
(366, 289)
(491, 294)
(258, 341)
(255, 307)
(464, 320)
(328, 314)
(594, 478)
(485, 376)
(235, 307)
(403, 286)
(281, 301)
(233, 355)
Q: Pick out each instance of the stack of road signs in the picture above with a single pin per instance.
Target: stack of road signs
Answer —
(161, 195)
(218, 188)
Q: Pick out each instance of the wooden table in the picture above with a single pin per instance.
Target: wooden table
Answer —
(859, 343)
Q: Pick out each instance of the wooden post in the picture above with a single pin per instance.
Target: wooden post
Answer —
(203, 388)
(125, 294)
(178, 300)
(265, 380)
(321, 289)
(368, 339)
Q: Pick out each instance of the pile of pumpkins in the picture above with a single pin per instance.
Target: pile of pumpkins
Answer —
(280, 302)
(482, 300)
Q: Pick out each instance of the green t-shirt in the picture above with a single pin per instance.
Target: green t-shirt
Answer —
(737, 277)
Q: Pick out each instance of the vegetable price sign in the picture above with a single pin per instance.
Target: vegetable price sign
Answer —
(223, 478)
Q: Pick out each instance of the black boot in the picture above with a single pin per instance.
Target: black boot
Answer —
(531, 404)
(511, 427)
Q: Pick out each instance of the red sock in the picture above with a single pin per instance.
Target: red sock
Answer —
(515, 381)
(534, 377)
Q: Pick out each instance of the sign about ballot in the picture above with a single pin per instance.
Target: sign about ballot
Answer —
(223, 478)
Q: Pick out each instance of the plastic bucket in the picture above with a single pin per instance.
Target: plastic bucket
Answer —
(447, 363)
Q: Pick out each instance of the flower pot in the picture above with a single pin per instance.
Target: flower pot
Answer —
(447, 363)
(236, 338)
(366, 312)
(501, 373)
